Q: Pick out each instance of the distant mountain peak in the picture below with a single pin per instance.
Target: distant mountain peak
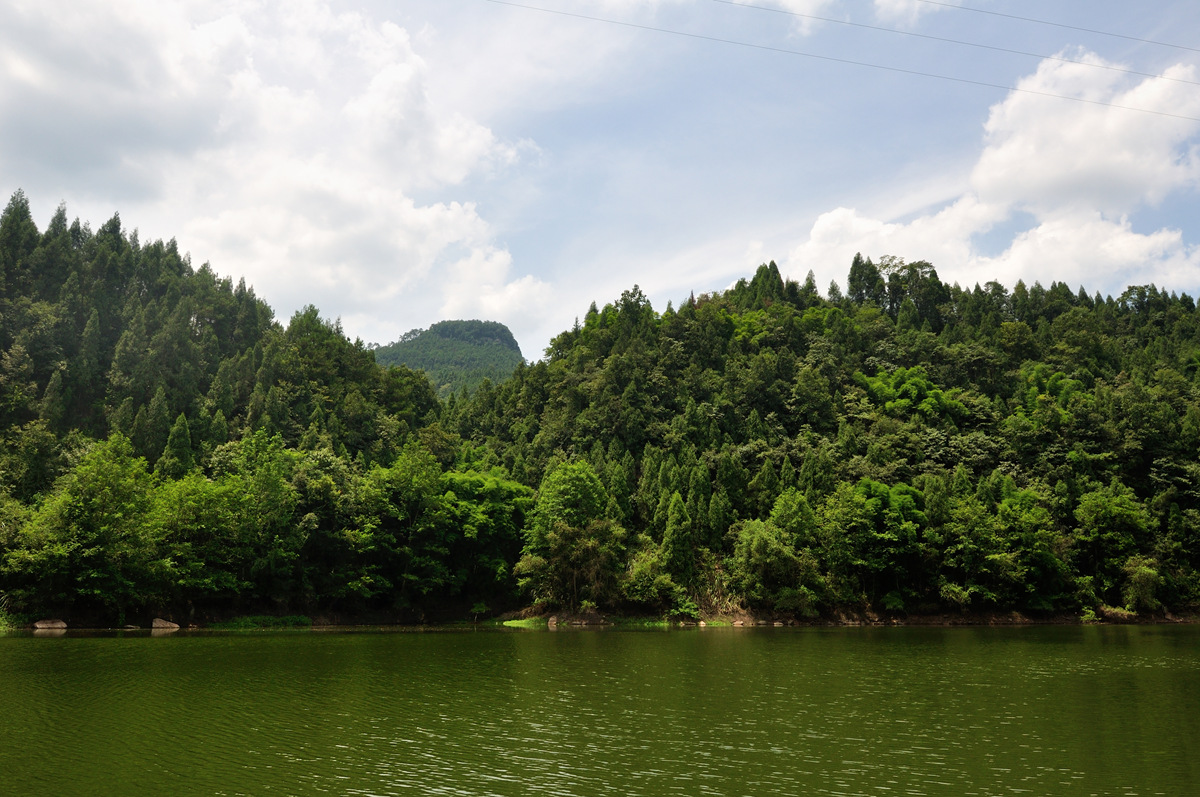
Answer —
(475, 331)
(456, 353)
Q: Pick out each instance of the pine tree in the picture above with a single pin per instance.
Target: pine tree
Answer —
(218, 430)
(54, 402)
(18, 388)
(787, 475)
(18, 240)
(720, 517)
(152, 426)
(679, 543)
(865, 284)
(764, 488)
(177, 459)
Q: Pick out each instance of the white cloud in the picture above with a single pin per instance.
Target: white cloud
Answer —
(1043, 153)
(1079, 169)
(91, 96)
(286, 143)
(804, 6)
(803, 9)
(378, 169)
(941, 238)
(902, 12)
(478, 286)
(1082, 248)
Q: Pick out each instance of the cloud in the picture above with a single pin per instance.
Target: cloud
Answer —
(1084, 248)
(1043, 153)
(803, 9)
(478, 286)
(287, 143)
(902, 12)
(90, 96)
(942, 237)
(1079, 170)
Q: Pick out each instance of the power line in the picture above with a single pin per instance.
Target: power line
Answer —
(834, 59)
(1061, 25)
(946, 40)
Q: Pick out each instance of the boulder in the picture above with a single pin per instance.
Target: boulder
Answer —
(48, 625)
(164, 624)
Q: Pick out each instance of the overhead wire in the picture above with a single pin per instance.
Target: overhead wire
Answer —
(1060, 25)
(947, 40)
(839, 60)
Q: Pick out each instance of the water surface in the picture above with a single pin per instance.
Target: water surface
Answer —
(718, 711)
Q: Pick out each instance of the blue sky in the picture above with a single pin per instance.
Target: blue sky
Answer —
(398, 163)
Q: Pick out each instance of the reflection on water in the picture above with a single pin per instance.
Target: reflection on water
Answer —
(914, 711)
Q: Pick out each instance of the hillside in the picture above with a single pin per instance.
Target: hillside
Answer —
(903, 447)
(102, 333)
(906, 445)
(456, 355)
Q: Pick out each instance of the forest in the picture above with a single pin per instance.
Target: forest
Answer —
(456, 354)
(897, 447)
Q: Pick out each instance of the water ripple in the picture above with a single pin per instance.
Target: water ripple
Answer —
(719, 712)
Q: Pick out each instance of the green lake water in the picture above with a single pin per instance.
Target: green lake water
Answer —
(718, 711)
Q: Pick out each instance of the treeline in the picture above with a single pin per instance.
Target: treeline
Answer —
(902, 446)
(166, 443)
(905, 445)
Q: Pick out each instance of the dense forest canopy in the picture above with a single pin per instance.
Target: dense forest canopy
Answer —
(901, 446)
(456, 355)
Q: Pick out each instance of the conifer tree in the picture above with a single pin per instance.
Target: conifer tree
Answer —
(679, 543)
(177, 458)
(53, 407)
(152, 426)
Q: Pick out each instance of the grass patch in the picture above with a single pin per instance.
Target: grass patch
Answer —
(718, 623)
(263, 623)
(528, 622)
(641, 622)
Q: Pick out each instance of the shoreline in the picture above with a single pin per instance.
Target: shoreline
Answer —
(596, 621)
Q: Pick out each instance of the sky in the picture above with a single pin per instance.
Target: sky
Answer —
(402, 162)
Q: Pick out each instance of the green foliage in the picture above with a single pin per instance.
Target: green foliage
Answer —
(572, 494)
(771, 573)
(910, 446)
(89, 541)
(200, 523)
(176, 459)
(908, 391)
(578, 564)
(961, 474)
(457, 355)
(679, 543)
(1113, 526)
(572, 553)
